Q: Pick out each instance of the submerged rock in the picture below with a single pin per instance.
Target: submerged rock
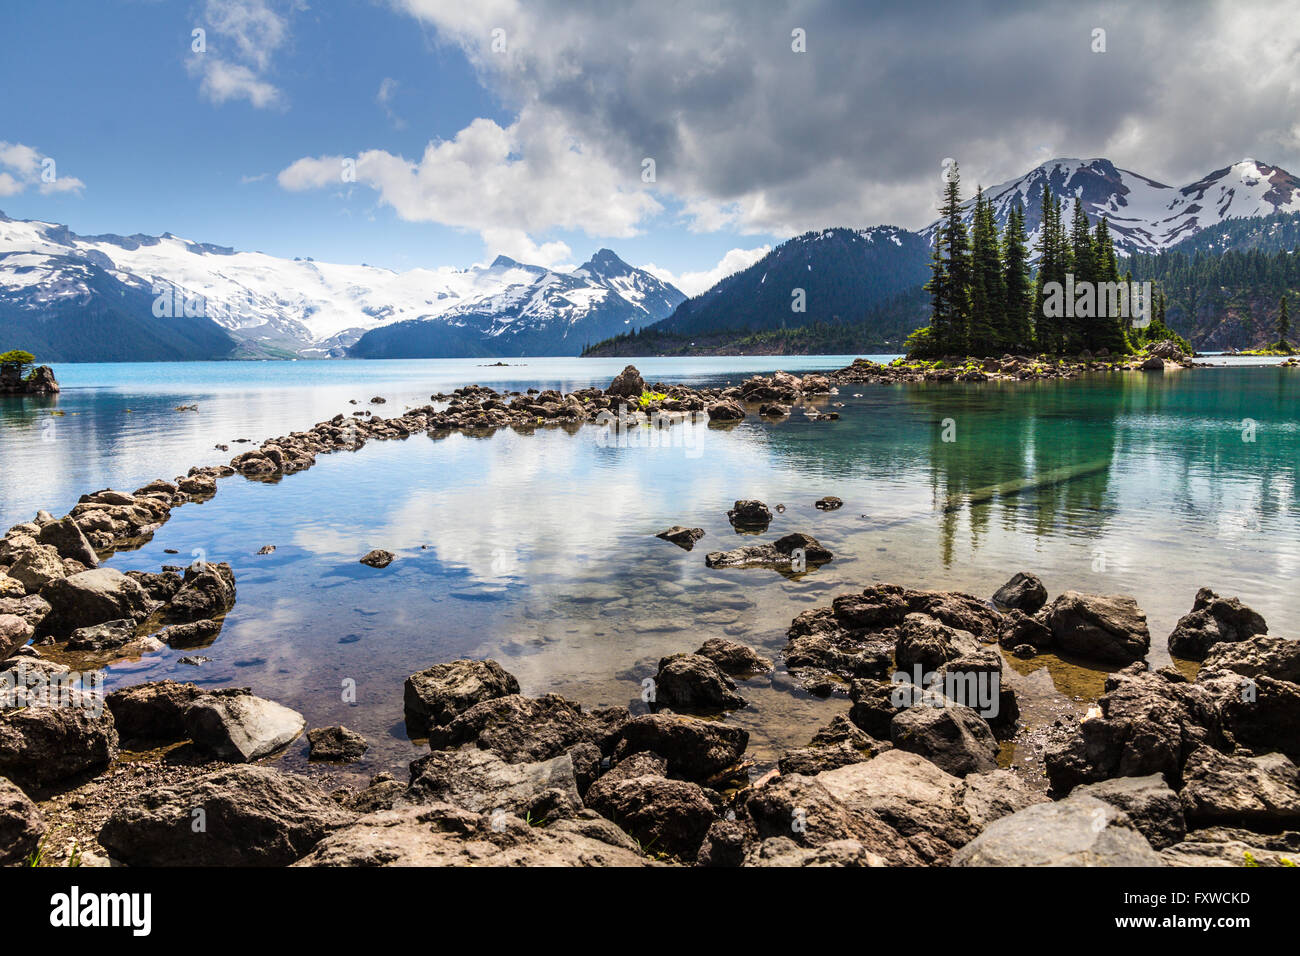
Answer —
(749, 514)
(795, 552)
(335, 744)
(681, 536)
(828, 503)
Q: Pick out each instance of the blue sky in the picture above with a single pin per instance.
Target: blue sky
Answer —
(104, 89)
(478, 127)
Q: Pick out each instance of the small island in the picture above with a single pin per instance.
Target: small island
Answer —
(19, 375)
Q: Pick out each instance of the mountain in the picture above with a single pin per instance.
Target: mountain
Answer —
(863, 284)
(1144, 215)
(842, 274)
(534, 311)
(96, 297)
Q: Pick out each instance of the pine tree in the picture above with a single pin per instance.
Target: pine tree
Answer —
(1080, 330)
(1110, 331)
(1053, 264)
(986, 296)
(1283, 326)
(949, 284)
(1018, 299)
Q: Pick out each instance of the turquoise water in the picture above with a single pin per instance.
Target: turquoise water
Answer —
(540, 550)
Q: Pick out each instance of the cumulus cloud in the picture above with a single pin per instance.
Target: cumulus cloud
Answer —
(693, 283)
(243, 35)
(750, 135)
(24, 166)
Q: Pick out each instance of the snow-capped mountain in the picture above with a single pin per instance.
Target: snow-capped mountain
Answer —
(1144, 215)
(280, 306)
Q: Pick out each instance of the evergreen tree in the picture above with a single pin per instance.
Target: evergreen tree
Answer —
(1017, 297)
(949, 284)
(987, 332)
(1053, 264)
(1283, 326)
(1110, 331)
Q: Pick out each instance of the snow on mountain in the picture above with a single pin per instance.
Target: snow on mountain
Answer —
(1145, 215)
(318, 308)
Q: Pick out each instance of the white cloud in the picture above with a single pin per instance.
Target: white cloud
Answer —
(387, 87)
(244, 35)
(515, 244)
(693, 283)
(23, 166)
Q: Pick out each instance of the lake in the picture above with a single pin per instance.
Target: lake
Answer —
(539, 550)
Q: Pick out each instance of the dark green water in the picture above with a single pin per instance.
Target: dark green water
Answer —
(540, 550)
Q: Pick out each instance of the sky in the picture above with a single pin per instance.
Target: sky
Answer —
(688, 137)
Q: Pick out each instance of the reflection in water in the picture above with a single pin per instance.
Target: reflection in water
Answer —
(539, 550)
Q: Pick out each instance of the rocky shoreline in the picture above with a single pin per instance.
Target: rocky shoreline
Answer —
(40, 381)
(1165, 770)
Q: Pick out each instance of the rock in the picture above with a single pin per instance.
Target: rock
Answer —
(1258, 656)
(954, 738)
(439, 694)
(443, 835)
(1108, 628)
(1019, 629)
(783, 852)
(37, 567)
(206, 592)
(733, 658)
(14, 633)
(1153, 364)
(252, 816)
(627, 384)
(664, 816)
(838, 744)
(198, 486)
(828, 503)
(682, 537)
(21, 826)
(91, 597)
(232, 724)
(41, 746)
(1024, 592)
(1259, 713)
(378, 558)
(750, 515)
(1149, 803)
(100, 637)
(266, 549)
(336, 744)
(190, 635)
(723, 845)
(795, 551)
(66, 537)
(1258, 792)
(523, 729)
(693, 682)
(482, 782)
(698, 750)
(726, 410)
(154, 711)
(1225, 846)
(1213, 620)
(1149, 724)
(1076, 831)
(926, 643)
(773, 410)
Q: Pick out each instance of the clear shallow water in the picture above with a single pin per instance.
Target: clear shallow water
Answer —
(539, 550)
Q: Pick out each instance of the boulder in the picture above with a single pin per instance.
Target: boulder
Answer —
(954, 738)
(664, 816)
(38, 567)
(1227, 846)
(734, 658)
(693, 682)
(1024, 592)
(1076, 831)
(749, 514)
(101, 637)
(1021, 630)
(482, 782)
(723, 845)
(1213, 620)
(727, 410)
(828, 503)
(682, 537)
(335, 744)
(698, 750)
(627, 384)
(154, 711)
(14, 633)
(232, 724)
(237, 816)
(438, 694)
(21, 826)
(1258, 792)
(91, 597)
(1260, 656)
(1107, 628)
(442, 835)
(783, 852)
(523, 729)
(378, 558)
(44, 746)
(207, 591)
(1150, 804)
(66, 537)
